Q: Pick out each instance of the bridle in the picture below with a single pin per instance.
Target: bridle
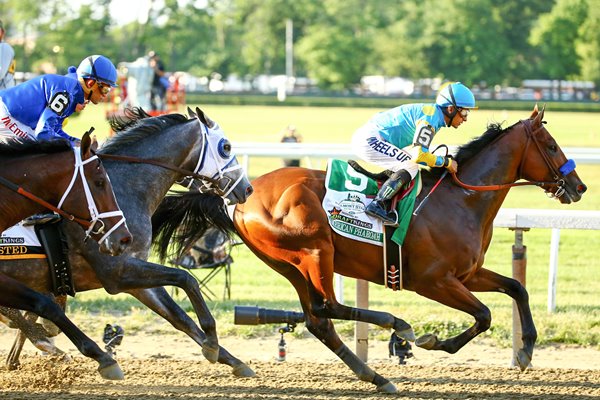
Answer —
(95, 216)
(559, 173)
(212, 185)
(208, 184)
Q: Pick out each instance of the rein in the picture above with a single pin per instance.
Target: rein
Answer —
(185, 172)
(33, 197)
(483, 188)
(530, 136)
(210, 183)
(96, 217)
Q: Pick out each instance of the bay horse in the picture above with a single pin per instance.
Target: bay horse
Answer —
(144, 159)
(36, 176)
(284, 224)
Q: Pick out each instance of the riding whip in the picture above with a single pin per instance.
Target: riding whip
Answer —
(429, 194)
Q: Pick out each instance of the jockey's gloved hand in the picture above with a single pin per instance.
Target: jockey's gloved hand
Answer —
(450, 164)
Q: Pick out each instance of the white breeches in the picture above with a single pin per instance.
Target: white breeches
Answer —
(368, 145)
(11, 128)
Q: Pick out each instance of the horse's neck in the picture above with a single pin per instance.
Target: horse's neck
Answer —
(498, 163)
(42, 176)
(148, 184)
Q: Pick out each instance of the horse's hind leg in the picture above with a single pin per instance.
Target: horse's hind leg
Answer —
(322, 282)
(489, 281)
(159, 301)
(17, 295)
(323, 329)
(135, 273)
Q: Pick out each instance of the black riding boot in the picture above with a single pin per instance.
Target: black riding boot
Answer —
(381, 206)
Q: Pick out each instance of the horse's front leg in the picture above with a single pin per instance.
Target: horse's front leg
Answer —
(489, 281)
(159, 301)
(452, 293)
(134, 273)
(17, 295)
(27, 328)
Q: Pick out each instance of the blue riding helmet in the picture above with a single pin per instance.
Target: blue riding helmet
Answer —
(456, 94)
(99, 68)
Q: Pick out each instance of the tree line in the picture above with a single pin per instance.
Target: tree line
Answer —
(335, 42)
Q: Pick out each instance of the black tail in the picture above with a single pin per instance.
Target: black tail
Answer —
(183, 217)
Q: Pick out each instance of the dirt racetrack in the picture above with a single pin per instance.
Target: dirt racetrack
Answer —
(171, 367)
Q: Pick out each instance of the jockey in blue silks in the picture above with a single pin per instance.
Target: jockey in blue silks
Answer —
(38, 108)
(399, 140)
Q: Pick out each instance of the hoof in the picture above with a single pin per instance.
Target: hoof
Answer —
(426, 341)
(406, 334)
(112, 372)
(11, 366)
(404, 330)
(211, 354)
(523, 359)
(387, 388)
(243, 371)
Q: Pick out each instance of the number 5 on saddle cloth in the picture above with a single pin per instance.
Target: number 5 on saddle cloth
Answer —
(38, 237)
(211, 254)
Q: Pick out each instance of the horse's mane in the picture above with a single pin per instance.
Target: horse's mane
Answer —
(136, 124)
(18, 148)
(469, 150)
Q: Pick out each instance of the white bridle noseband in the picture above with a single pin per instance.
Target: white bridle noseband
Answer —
(96, 217)
(220, 174)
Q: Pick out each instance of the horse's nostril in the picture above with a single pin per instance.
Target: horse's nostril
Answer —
(126, 240)
(249, 190)
(581, 189)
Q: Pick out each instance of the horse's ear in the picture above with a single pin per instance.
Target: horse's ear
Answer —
(191, 113)
(538, 116)
(204, 118)
(94, 144)
(86, 143)
(534, 113)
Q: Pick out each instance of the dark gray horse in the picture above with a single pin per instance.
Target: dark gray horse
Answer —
(179, 146)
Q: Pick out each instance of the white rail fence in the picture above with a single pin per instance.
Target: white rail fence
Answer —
(311, 151)
(519, 220)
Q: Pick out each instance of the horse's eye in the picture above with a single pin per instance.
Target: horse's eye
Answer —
(100, 183)
(224, 148)
(553, 148)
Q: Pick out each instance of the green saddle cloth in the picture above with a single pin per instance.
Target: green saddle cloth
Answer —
(343, 179)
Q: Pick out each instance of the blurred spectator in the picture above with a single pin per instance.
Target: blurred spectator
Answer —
(7, 62)
(139, 83)
(290, 135)
(160, 83)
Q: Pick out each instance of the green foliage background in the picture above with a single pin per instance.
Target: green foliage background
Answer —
(483, 42)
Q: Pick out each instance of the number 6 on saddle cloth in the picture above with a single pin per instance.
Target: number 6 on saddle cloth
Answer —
(210, 254)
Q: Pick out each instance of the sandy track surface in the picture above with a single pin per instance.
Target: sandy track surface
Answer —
(171, 366)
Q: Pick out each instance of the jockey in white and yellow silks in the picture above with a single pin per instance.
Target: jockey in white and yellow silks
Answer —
(399, 140)
(37, 109)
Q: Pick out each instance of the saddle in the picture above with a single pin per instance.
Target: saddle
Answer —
(51, 245)
(349, 189)
(392, 251)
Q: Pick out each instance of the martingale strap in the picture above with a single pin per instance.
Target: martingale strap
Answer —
(392, 260)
